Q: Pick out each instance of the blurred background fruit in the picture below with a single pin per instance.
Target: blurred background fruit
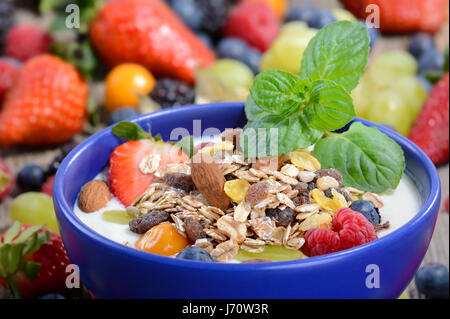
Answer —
(26, 41)
(433, 281)
(7, 180)
(278, 6)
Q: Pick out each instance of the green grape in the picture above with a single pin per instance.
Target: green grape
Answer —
(362, 97)
(387, 68)
(287, 50)
(35, 209)
(413, 92)
(342, 15)
(389, 108)
(233, 73)
(120, 217)
(274, 253)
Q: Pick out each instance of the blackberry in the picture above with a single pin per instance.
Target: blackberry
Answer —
(169, 92)
(6, 20)
(215, 13)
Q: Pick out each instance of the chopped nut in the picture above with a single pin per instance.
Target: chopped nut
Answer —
(242, 211)
(322, 220)
(306, 177)
(94, 195)
(149, 163)
(290, 170)
(374, 199)
(231, 228)
(257, 193)
(331, 172)
(327, 182)
(225, 251)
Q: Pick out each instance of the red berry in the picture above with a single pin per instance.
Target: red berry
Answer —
(446, 205)
(52, 258)
(431, 130)
(350, 229)
(25, 41)
(47, 188)
(7, 180)
(255, 23)
(125, 177)
(8, 72)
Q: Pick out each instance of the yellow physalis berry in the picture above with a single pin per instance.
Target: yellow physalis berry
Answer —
(305, 161)
(225, 146)
(327, 204)
(237, 189)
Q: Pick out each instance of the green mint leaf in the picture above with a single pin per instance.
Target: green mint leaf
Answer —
(187, 145)
(338, 52)
(278, 92)
(253, 111)
(330, 107)
(130, 131)
(271, 135)
(368, 159)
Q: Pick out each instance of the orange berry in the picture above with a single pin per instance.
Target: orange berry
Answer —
(124, 83)
(162, 239)
(278, 6)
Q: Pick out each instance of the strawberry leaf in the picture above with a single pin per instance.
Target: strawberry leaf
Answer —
(15, 257)
(27, 233)
(31, 270)
(12, 232)
(187, 145)
(130, 131)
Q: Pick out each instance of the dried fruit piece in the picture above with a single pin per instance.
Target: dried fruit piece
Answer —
(236, 189)
(162, 239)
(194, 229)
(236, 231)
(142, 224)
(343, 192)
(282, 217)
(257, 193)
(316, 221)
(94, 195)
(180, 181)
(305, 161)
(327, 204)
(209, 180)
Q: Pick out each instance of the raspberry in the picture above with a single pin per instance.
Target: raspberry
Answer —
(24, 42)
(47, 188)
(169, 92)
(350, 229)
(8, 70)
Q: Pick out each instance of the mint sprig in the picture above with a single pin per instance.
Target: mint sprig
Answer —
(300, 109)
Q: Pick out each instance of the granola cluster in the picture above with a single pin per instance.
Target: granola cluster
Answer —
(271, 201)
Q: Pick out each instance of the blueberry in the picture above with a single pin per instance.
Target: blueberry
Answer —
(31, 178)
(432, 281)
(321, 19)
(368, 210)
(374, 34)
(122, 114)
(305, 14)
(195, 253)
(205, 38)
(427, 85)
(421, 43)
(237, 49)
(52, 296)
(431, 60)
(189, 12)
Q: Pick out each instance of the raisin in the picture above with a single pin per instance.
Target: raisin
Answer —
(194, 230)
(330, 172)
(301, 187)
(311, 186)
(301, 200)
(283, 217)
(343, 192)
(143, 223)
(257, 192)
(180, 181)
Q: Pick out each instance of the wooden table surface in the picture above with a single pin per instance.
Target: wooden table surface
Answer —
(439, 248)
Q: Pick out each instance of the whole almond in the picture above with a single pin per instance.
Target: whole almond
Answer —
(209, 180)
(94, 195)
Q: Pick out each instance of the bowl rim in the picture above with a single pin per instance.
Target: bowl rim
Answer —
(65, 211)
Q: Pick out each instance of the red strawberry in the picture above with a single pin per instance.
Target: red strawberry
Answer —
(126, 178)
(151, 34)
(403, 15)
(431, 130)
(7, 180)
(47, 188)
(46, 106)
(43, 261)
(26, 41)
(8, 72)
(255, 23)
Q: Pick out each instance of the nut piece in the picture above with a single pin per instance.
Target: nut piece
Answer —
(257, 193)
(327, 182)
(225, 251)
(237, 231)
(233, 136)
(306, 177)
(209, 180)
(94, 195)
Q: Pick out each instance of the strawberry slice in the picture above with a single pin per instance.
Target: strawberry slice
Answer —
(126, 179)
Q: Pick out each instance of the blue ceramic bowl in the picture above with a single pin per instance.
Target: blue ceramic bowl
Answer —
(112, 270)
